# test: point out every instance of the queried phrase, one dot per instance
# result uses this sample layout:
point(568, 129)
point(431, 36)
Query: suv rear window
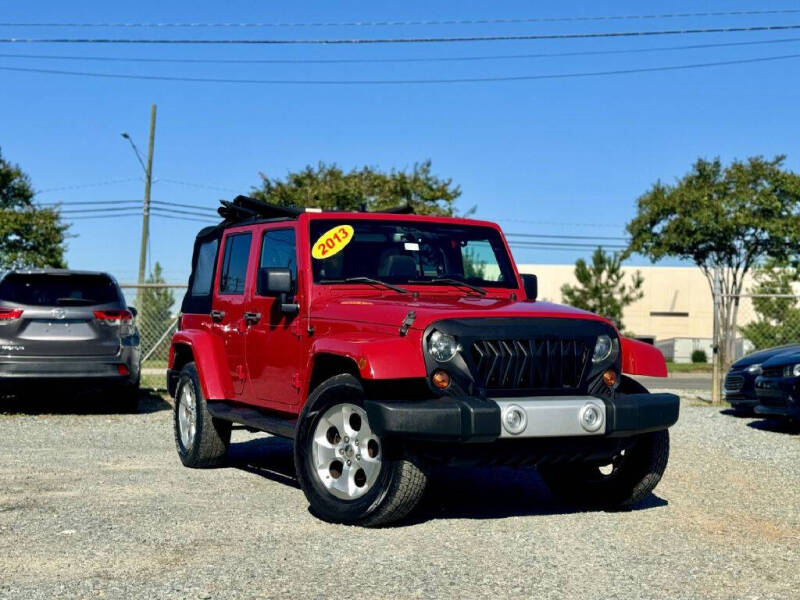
point(46, 289)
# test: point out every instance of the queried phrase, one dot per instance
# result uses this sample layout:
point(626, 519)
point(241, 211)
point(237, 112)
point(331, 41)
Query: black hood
point(762, 356)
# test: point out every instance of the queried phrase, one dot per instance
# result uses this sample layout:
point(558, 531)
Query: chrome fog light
point(591, 417)
point(515, 420)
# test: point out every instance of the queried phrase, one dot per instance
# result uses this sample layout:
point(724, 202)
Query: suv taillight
point(8, 314)
point(114, 317)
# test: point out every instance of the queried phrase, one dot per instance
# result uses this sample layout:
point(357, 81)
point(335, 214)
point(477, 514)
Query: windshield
point(408, 252)
point(46, 289)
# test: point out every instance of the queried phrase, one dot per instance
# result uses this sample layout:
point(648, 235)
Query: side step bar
point(251, 417)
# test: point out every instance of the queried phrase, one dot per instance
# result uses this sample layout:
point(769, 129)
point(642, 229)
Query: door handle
point(217, 315)
point(252, 317)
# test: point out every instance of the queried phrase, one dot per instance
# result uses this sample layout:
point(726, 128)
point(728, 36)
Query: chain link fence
point(768, 320)
point(158, 308)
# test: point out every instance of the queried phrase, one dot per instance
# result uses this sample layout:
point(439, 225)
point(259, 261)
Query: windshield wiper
point(453, 282)
point(371, 281)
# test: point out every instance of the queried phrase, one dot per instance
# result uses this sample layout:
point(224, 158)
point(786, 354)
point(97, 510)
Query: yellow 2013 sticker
point(332, 241)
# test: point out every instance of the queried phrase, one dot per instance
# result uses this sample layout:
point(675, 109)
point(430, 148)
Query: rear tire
point(127, 399)
point(628, 480)
point(201, 440)
point(346, 473)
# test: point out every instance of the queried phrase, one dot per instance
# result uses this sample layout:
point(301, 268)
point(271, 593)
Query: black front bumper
point(777, 397)
point(472, 419)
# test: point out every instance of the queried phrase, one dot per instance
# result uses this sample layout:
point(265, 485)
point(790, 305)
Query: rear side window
point(234, 263)
point(44, 289)
point(204, 268)
point(278, 249)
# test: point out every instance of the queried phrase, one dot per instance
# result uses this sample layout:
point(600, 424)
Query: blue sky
point(552, 156)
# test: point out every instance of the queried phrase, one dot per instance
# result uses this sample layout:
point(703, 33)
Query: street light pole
point(148, 180)
point(146, 208)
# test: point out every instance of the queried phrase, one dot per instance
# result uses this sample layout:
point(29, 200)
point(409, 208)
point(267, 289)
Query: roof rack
point(244, 208)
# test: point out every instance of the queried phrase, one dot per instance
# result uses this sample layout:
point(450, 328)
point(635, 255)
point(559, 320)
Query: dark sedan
point(778, 387)
point(740, 390)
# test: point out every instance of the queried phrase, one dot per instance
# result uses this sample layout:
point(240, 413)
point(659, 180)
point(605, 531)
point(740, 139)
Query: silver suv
point(68, 327)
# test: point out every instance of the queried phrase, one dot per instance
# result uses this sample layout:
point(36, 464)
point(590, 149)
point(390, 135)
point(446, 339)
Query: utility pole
point(148, 174)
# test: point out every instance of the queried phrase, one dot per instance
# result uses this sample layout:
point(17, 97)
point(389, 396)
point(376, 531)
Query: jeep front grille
point(553, 364)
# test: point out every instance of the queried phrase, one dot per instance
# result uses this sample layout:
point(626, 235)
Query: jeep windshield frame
point(412, 252)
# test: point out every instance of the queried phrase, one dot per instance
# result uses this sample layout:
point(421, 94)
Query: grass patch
point(154, 364)
point(154, 382)
point(688, 367)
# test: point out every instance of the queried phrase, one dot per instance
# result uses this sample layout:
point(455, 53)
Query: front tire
point(626, 481)
point(343, 467)
point(202, 441)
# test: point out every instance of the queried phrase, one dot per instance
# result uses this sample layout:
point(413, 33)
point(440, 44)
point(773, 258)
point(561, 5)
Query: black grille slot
point(555, 363)
point(734, 383)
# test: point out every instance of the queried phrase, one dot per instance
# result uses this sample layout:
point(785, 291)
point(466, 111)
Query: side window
point(278, 249)
point(234, 263)
point(204, 268)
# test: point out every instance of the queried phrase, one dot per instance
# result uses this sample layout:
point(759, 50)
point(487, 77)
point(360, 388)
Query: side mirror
point(277, 281)
point(133, 310)
point(273, 281)
point(531, 285)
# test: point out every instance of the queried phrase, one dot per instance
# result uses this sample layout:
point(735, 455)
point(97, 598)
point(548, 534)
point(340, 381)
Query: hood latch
point(407, 322)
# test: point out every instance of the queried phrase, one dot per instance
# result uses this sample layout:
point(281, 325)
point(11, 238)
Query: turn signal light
point(7, 314)
point(441, 379)
point(610, 378)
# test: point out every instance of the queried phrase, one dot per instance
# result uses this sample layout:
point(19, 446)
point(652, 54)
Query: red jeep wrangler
point(385, 343)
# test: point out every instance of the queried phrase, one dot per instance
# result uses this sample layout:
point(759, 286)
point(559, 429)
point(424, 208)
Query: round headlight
point(602, 349)
point(796, 370)
point(754, 369)
point(442, 347)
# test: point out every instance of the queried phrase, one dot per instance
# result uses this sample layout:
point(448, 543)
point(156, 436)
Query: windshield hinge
point(407, 322)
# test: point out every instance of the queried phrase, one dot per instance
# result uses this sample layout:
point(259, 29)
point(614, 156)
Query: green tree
point(329, 187)
point(726, 220)
point(30, 236)
point(155, 315)
point(601, 288)
point(777, 311)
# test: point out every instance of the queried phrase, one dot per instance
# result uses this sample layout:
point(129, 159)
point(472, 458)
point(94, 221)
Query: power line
point(199, 185)
point(563, 249)
point(183, 212)
point(89, 202)
point(565, 245)
point(427, 59)
point(105, 216)
point(401, 23)
point(558, 223)
point(570, 237)
point(572, 75)
point(93, 210)
point(414, 40)
point(207, 221)
point(197, 206)
point(86, 185)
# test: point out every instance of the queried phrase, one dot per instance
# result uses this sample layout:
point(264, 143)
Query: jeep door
point(228, 306)
point(273, 339)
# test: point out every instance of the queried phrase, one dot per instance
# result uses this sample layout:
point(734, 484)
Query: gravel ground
point(96, 505)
